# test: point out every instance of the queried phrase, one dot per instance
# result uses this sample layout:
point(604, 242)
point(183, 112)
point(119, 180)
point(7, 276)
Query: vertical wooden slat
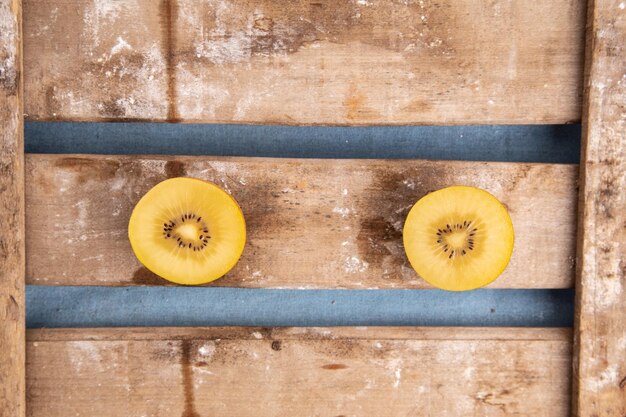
point(12, 329)
point(600, 338)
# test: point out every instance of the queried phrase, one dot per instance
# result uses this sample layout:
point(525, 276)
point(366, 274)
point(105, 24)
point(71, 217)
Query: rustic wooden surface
point(356, 62)
point(600, 362)
point(12, 320)
point(299, 371)
point(311, 223)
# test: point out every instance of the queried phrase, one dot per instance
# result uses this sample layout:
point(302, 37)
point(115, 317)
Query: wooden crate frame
point(407, 370)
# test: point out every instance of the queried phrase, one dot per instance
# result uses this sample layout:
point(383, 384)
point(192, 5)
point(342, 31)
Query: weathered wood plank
point(300, 333)
point(600, 320)
point(300, 62)
point(276, 372)
point(311, 223)
point(12, 261)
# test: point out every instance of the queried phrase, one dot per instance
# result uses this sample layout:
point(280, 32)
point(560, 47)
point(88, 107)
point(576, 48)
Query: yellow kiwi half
point(458, 238)
point(187, 231)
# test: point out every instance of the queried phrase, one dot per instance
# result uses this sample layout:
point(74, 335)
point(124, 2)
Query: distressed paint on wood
point(354, 62)
point(299, 371)
point(600, 362)
point(12, 320)
point(311, 223)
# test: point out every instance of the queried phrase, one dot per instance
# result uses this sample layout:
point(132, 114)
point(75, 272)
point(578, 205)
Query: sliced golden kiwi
point(458, 238)
point(187, 231)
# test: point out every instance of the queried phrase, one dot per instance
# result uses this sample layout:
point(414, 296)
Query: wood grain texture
point(12, 260)
point(600, 319)
point(355, 62)
point(311, 223)
point(299, 371)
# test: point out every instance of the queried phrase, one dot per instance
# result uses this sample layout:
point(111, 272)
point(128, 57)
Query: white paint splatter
point(599, 85)
point(343, 211)
point(84, 353)
point(101, 15)
point(203, 371)
point(207, 350)
point(257, 335)
point(402, 209)
point(8, 47)
point(107, 8)
point(120, 46)
point(409, 183)
point(93, 258)
point(395, 365)
point(622, 5)
point(352, 265)
point(226, 49)
point(198, 97)
point(398, 375)
point(81, 218)
point(248, 101)
point(621, 343)
point(118, 183)
point(608, 377)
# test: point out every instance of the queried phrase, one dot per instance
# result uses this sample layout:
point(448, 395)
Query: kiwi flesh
point(187, 230)
point(458, 238)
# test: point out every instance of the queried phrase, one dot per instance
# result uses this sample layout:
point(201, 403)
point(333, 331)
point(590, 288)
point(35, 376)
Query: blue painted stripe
point(514, 143)
point(183, 306)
